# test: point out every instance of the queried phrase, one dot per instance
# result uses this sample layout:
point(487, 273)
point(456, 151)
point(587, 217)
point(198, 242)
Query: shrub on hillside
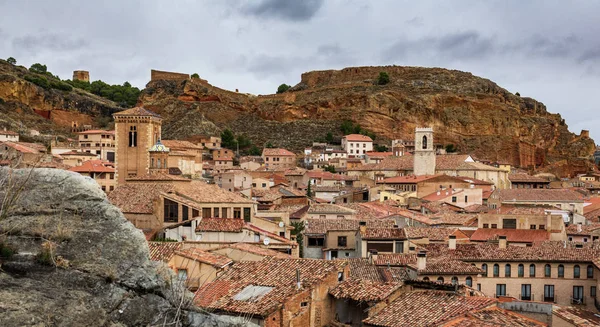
point(282, 88)
point(383, 79)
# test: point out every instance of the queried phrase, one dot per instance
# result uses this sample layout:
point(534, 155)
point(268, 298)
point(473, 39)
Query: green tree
point(329, 137)
point(254, 151)
point(126, 84)
point(298, 231)
point(269, 145)
point(195, 75)
point(228, 139)
point(381, 148)
point(451, 148)
point(243, 141)
point(11, 60)
point(282, 88)
point(518, 94)
point(329, 168)
point(347, 127)
point(38, 68)
point(383, 79)
point(308, 189)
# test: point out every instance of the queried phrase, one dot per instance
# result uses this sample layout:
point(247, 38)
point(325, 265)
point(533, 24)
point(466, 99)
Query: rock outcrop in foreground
point(78, 261)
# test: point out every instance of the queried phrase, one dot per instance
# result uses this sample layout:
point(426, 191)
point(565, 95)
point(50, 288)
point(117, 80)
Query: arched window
point(521, 270)
point(590, 271)
point(576, 271)
point(496, 270)
point(426, 279)
point(469, 281)
point(440, 279)
point(158, 163)
point(532, 270)
point(454, 280)
point(547, 271)
point(165, 164)
point(152, 162)
point(484, 268)
point(561, 271)
point(424, 142)
point(507, 270)
point(132, 136)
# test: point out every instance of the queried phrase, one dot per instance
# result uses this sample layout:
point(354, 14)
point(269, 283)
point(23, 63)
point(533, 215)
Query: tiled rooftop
point(322, 226)
point(180, 145)
point(427, 308)
point(433, 234)
point(94, 166)
point(276, 152)
point(229, 225)
point(202, 192)
point(137, 111)
point(544, 195)
point(325, 208)
point(577, 317)
point(526, 178)
point(255, 249)
point(364, 290)
point(512, 235)
point(209, 258)
point(358, 138)
point(138, 197)
point(383, 234)
point(585, 229)
point(225, 293)
point(163, 251)
point(493, 317)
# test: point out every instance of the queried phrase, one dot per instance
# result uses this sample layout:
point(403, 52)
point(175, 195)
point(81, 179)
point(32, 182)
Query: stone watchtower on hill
point(81, 75)
point(424, 156)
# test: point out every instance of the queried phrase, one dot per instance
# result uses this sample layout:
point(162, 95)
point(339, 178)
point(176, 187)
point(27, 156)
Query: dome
point(158, 147)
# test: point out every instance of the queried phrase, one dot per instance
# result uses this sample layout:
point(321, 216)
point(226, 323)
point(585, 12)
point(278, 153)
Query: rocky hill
point(25, 105)
point(472, 113)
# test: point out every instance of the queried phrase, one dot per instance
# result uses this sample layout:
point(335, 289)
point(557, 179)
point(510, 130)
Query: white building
point(357, 144)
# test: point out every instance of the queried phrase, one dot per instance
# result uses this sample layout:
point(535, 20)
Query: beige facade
point(99, 142)
point(234, 180)
point(194, 272)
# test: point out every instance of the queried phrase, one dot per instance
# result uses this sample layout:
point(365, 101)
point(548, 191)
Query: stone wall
point(163, 75)
point(81, 75)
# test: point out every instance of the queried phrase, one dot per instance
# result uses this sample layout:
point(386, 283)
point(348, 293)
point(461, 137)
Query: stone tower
point(424, 156)
point(136, 131)
point(81, 75)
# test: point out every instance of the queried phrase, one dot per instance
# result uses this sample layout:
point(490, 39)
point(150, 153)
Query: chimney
point(452, 242)
point(421, 260)
point(578, 227)
point(362, 225)
point(298, 284)
point(502, 242)
point(374, 255)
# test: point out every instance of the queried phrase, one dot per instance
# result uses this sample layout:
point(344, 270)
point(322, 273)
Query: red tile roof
point(163, 251)
point(261, 287)
point(364, 290)
point(426, 308)
point(512, 235)
point(493, 317)
point(577, 317)
point(409, 179)
point(586, 230)
point(137, 111)
point(97, 131)
point(277, 152)
point(5, 132)
point(255, 249)
point(229, 225)
point(432, 233)
point(322, 226)
point(209, 258)
point(393, 233)
point(358, 138)
point(543, 195)
point(19, 146)
point(138, 198)
point(94, 166)
point(326, 208)
point(180, 145)
point(525, 178)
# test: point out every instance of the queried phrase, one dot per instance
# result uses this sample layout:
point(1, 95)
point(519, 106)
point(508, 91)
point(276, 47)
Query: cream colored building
point(98, 142)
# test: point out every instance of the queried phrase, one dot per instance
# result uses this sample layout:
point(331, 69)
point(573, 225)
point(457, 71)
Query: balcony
point(577, 301)
point(551, 299)
point(499, 295)
point(527, 297)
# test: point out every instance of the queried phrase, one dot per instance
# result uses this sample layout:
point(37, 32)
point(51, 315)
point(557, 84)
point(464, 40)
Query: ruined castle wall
point(162, 75)
point(81, 75)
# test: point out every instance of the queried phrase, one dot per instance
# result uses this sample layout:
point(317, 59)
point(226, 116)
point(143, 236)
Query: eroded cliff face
point(473, 113)
point(79, 262)
point(22, 102)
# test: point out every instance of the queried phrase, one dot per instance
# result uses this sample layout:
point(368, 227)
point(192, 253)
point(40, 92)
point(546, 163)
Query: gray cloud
point(283, 9)
point(48, 41)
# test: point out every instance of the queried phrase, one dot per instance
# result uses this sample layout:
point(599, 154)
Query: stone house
point(23, 154)
point(329, 211)
point(357, 144)
point(196, 267)
point(527, 181)
point(103, 172)
point(77, 158)
point(563, 199)
point(294, 292)
point(278, 158)
point(99, 142)
point(234, 180)
point(248, 252)
point(6, 135)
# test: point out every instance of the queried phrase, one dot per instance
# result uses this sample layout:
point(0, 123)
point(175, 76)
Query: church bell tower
point(424, 156)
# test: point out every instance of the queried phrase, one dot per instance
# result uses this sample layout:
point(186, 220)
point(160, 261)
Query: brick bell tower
point(424, 156)
point(136, 131)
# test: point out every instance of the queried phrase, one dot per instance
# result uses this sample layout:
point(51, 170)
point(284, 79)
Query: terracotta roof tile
point(277, 152)
point(137, 111)
point(364, 290)
point(362, 269)
point(531, 194)
point(163, 251)
point(433, 234)
point(202, 192)
point(494, 317)
point(180, 145)
point(255, 249)
point(322, 226)
point(94, 166)
point(512, 235)
point(426, 308)
point(358, 138)
point(576, 316)
point(97, 131)
point(393, 233)
point(229, 225)
point(138, 197)
point(209, 258)
point(326, 208)
point(526, 178)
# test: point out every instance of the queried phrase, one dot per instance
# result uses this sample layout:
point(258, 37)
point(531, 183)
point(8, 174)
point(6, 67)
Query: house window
point(561, 271)
point(500, 290)
point(170, 211)
point(112, 176)
point(532, 226)
point(593, 291)
point(453, 199)
point(253, 184)
point(494, 226)
point(576, 271)
point(399, 246)
point(479, 287)
point(224, 212)
point(542, 226)
point(195, 213)
point(322, 216)
point(509, 223)
point(206, 213)
point(454, 280)
point(486, 225)
point(216, 212)
point(466, 199)
point(342, 241)
point(440, 280)
point(578, 294)
point(548, 293)
point(426, 279)
point(531, 270)
point(380, 247)
point(132, 136)
point(590, 271)
point(316, 241)
point(182, 274)
point(264, 184)
point(104, 188)
point(424, 142)
point(526, 292)
point(469, 281)
point(507, 270)
point(521, 270)
point(484, 268)
point(340, 276)
point(547, 271)
point(496, 270)
point(237, 213)
point(185, 211)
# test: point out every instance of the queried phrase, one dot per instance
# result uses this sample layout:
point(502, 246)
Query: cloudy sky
point(548, 50)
